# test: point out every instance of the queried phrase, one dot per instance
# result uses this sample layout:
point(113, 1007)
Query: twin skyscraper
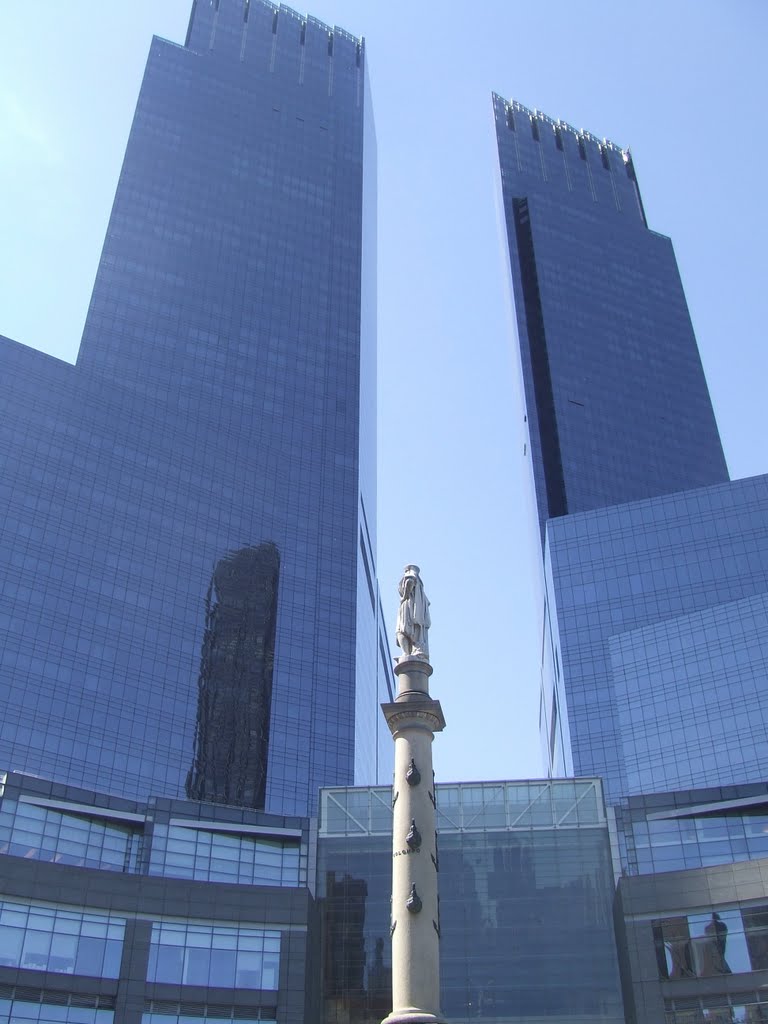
point(655, 566)
point(189, 591)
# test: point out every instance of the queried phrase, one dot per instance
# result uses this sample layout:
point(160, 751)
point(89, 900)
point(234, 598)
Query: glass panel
point(90, 956)
point(335, 817)
point(11, 941)
point(448, 807)
point(219, 956)
point(249, 970)
point(588, 809)
point(270, 971)
point(226, 858)
point(755, 920)
point(675, 943)
point(34, 955)
point(529, 805)
point(719, 945)
point(197, 965)
point(381, 812)
point(223, 968)
point(169, 966)
point(113, 952)
point(63, 954)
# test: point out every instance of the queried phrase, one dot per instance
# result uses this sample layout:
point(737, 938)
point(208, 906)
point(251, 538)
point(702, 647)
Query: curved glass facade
point(170, 841)
point(60, 941)
point(237, 859)
point(693, 829)
point(41, 833)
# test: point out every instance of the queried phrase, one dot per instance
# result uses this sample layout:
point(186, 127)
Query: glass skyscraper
point(188, 594)
point(654, 574)
point(617, 404)
point(655, 566)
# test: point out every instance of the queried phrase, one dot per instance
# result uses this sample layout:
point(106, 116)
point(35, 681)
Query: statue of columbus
point(413, 619)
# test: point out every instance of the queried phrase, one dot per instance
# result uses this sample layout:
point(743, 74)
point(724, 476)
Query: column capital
point(414, 713)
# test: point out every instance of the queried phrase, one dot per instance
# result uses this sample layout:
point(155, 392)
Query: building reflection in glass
point(526, 891)
point(235, 682)
point(723, 941)
point(357, 971)
point(344, 941)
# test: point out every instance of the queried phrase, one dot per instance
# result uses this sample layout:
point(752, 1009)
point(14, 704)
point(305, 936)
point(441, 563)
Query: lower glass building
point(692, 905)
point(694, 944)
point(113, 912)
point(526, 891)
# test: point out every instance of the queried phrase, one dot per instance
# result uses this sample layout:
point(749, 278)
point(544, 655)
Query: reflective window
point(165, 1018)
point(715, 943)
point(214, 955)
point(15, 1011)
point(679, 843)
point(745, 1008)
point(60, 941)
point(39, 833)
point(179, 852)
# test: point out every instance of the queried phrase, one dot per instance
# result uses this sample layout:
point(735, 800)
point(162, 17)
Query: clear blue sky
point(682, 82)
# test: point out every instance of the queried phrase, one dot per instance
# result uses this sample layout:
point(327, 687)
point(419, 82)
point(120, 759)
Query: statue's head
point(411, 570)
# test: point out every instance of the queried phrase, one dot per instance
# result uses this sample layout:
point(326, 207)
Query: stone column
point(413, 719)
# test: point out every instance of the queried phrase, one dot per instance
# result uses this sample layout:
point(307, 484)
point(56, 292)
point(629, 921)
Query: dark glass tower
point(617, 404)
point(655, 565)
point(187, 539)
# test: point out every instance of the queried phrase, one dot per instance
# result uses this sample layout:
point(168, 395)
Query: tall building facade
point(655, 565)
point(187, 545)
point(616, 401)
point(654, 575)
